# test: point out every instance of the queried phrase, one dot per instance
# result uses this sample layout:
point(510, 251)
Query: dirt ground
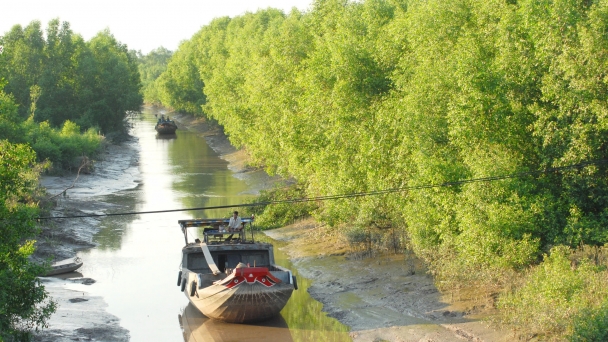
point(384, 298)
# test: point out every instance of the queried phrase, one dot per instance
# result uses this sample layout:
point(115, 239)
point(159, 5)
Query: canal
point(136, 260)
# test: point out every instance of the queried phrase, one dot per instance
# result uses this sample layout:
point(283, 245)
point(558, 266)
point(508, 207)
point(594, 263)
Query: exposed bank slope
point(378, 298)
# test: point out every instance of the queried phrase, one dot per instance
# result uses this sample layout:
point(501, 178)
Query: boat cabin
point(226, 250)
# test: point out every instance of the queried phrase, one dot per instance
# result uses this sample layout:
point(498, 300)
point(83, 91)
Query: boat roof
point(202, 222)
point(214, 223)
point(248, 246)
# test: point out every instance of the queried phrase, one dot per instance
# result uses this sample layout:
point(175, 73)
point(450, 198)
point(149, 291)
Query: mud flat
point(381, 298)
point(81, 317)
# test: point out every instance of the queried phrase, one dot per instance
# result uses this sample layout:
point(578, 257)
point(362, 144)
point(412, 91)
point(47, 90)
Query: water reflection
point(202, 178)
point(112, 228)
point(303, 314)
point(166, 136)
point(197, 327)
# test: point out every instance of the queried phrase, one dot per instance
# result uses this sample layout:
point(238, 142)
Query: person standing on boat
point(235, 223)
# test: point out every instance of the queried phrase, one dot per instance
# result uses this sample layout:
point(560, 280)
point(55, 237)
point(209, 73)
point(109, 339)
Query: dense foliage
point(92, 84)
point(151, 66)
point(62, 146)
point(284, 212)
point(377, 94)
point(559, 291)
point(23, 301)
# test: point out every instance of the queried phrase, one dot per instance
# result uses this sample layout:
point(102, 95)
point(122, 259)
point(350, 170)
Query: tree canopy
point(151, 66)
point(24, 304)
point(92, 84)
point(57, 94)
point(355, 96)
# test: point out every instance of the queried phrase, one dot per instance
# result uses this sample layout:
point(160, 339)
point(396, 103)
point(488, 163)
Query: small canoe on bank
point(64, 266)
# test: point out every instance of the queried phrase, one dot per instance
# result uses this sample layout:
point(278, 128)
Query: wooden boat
point(229, 278)
point(64, 266)
point(165, 126)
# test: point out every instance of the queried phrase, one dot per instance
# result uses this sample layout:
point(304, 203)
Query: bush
point(557, 296)
point(62, 146)
point(24, 304)
point(591, 325)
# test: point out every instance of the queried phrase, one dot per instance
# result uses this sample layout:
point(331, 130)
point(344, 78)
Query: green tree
point(24, 304)
point(365, 95)
point(23, 61)
point(113, 83)
point(91, 83)
point(151, 66)
point(180, 86)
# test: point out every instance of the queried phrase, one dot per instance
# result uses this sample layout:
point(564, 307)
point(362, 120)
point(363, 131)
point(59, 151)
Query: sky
point(141, 24)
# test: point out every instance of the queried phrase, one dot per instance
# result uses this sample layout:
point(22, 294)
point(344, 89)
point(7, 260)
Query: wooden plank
point(209, 259)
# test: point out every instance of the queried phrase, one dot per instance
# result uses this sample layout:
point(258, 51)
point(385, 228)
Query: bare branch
point(85, 162)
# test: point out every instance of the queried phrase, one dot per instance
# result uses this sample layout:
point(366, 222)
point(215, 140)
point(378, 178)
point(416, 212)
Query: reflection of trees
point(113, 228)
point(202, 175)
point(303, 314)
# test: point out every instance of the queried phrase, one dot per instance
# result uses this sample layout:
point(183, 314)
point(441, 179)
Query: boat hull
point(165, 128)
point(196, 328)
point(64, 266)
point(242, 303)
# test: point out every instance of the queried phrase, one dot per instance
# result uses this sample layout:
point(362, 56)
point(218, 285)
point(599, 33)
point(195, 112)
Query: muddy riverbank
point(81, 316)
point(385, 298)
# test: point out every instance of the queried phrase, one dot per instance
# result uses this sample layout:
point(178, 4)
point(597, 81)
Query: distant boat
point(165, 126)
point(64, 266)
point(232, 279)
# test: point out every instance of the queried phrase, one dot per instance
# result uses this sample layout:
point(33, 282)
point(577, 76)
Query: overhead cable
point(350, 195)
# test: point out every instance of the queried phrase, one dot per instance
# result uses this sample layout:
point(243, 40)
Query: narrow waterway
point(136, 262)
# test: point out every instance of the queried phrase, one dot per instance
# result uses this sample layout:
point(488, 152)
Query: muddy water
point(136, 262)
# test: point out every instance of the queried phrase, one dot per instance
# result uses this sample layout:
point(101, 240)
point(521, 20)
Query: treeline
point(150, 67)
point(379, 94)
point(91, 83)
point(24, 303)
point(59, 86)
